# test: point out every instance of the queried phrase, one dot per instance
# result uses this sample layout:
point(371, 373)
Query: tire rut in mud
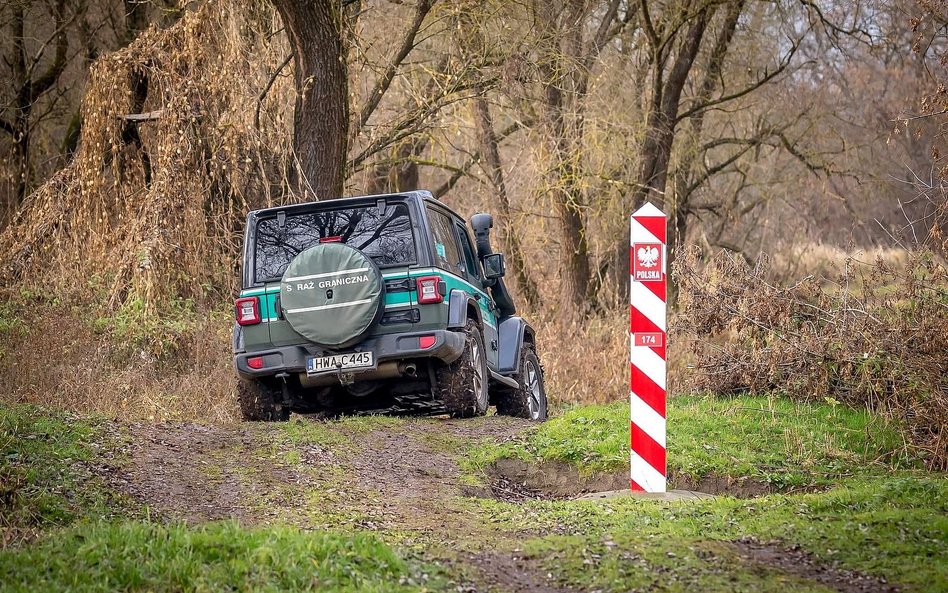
point(197, 473)
point(175, 470)
point(414, 476)
point(796, 562)
point(512, 573)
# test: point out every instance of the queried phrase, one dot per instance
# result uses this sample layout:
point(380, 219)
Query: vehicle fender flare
point(512, 332)
point(459, 303)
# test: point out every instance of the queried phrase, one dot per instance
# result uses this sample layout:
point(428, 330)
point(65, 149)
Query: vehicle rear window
point(384, 235)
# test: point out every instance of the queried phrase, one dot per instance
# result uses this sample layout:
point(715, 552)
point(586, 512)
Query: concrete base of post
point(670, 495)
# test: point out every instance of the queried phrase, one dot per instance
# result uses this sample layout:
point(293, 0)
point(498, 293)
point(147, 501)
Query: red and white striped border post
point(647, 338)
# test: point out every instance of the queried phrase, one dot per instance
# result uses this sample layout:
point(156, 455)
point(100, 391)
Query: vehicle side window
point(470, 262)
point(446, 254)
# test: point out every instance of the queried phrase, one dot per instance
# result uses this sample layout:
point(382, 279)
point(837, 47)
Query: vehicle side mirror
point(494, 266)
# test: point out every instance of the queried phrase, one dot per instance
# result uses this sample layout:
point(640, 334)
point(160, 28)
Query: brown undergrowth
point(875, 337)
point(54, 354)
point(117, 272)
point(170, 159)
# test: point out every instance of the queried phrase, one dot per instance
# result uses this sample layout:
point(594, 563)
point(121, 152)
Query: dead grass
point(54, 357)
point(584, 363)
point(829, 262)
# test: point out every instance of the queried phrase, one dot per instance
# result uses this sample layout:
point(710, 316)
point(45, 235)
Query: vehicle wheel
point(529, 400)
point(463, 383)
point(260, 402)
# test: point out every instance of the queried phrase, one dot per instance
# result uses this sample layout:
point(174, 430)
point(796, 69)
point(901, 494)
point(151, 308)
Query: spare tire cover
point(332, 294)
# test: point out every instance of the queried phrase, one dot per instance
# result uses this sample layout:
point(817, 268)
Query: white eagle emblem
point(648, 256)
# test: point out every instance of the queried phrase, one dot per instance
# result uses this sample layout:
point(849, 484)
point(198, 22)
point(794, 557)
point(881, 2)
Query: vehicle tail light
point(429, 291)
point(426, 342)
point(248, 311)
point(255, 362)
point(335, 239)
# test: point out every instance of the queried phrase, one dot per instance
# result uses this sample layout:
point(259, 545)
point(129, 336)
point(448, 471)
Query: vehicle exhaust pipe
point(408, 368)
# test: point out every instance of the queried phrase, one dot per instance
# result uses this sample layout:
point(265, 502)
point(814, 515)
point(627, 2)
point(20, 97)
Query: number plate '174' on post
point(651, 339)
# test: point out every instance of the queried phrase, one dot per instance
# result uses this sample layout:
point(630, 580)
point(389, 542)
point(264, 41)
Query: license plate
point(351, 361)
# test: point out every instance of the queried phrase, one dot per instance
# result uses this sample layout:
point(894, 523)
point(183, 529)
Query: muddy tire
point(463, 383)
point(260, 403)
point(529, 400)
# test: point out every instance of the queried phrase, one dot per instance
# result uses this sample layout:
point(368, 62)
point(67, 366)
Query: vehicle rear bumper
point(447, 348)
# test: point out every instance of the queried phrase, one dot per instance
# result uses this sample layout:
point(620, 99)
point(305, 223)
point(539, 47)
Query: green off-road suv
point(379, 303)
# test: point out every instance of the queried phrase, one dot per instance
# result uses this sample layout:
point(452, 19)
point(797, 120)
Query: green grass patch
point(303, 431)
point(336, 433)
point(213, 557)
point(45, 476)
point(136, 326)
point(769, 439)
point(895, 527)
point(9, 319)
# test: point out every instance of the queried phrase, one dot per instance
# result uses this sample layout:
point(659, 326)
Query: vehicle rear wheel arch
point(514, 333)
point(474, 313)
point(461, 307)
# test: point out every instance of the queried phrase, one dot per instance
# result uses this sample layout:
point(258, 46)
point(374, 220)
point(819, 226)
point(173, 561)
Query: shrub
point(876, 337)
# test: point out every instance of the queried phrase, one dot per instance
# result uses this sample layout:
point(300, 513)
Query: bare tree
point(565, 57)
point(33, 73)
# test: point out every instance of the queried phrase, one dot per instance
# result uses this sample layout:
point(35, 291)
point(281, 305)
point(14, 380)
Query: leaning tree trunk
point(690, 162)
point(321, 118)
point(564, 96)
point(487, 140)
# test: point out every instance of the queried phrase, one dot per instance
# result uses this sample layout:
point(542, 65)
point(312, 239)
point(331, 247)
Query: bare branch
point(463, 170)
point(854, 32)
point(712, 171)
point(266, 89)
point(768, 76)
point(412, 122)
point(385, 80)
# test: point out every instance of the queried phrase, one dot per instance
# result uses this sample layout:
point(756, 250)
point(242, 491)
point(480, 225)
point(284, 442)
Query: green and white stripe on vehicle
point(393, 300)
point(269, 294)
point(453, 282)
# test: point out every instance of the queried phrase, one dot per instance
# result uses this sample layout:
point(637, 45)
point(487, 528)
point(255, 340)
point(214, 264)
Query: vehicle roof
point(289, 209)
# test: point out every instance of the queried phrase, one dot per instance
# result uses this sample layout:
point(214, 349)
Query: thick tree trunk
point(660, 132)
point(321, 118)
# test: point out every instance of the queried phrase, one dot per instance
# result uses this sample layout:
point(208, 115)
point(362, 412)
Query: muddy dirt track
point(401, 479)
